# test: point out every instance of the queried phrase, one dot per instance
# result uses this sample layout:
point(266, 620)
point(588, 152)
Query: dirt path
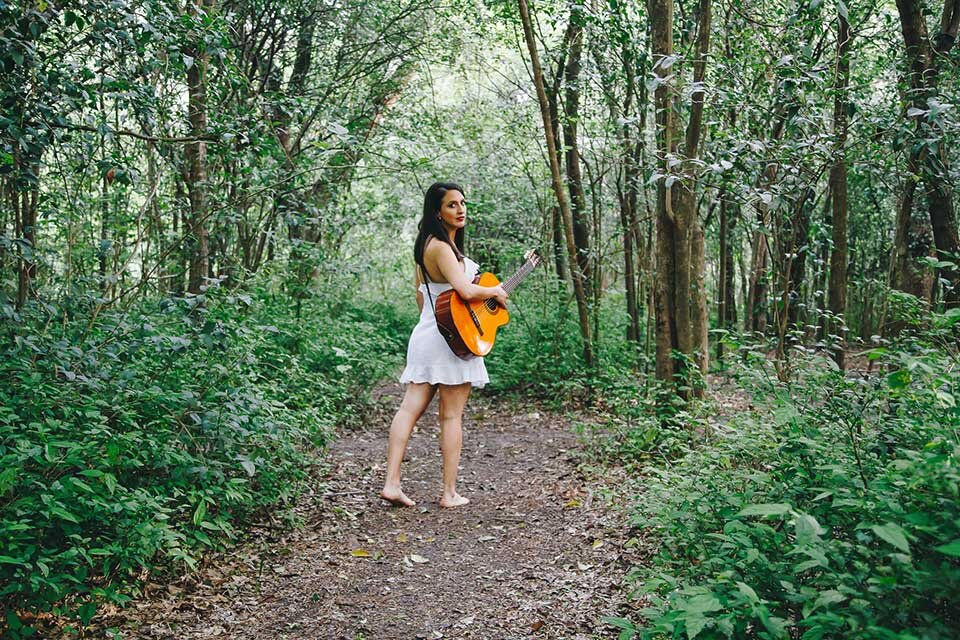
point(539, 552)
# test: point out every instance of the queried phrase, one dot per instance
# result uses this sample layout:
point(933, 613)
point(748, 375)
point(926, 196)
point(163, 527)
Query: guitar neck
point(511, 283)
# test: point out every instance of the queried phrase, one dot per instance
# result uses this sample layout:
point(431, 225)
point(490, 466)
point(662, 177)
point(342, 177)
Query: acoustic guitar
point(470, 328)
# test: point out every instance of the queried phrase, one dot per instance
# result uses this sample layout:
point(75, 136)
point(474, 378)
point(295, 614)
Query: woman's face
point(453, 210)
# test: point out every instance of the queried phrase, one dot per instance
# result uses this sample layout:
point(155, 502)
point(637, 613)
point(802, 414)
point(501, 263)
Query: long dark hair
point(430, 224)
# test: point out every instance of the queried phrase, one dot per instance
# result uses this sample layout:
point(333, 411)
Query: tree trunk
point(558, 189)
point(794, 260)
point(756, 312)
point(26, 195)
point(629, 277)
point(571, 117)
point(923, 58)
point(103, 249)
point(195, 157)
point(560, 266)
point(838, 188)
point(911, 242)
point(680, 295)
point(700, 346)
point(726, 305)
point(661, 26)
point(627, 170)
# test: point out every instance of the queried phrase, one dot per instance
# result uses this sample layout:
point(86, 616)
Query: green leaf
point(899, 379)
point(808, 529)
point(893, 534)
point(703, 603)
point(765, 509)
point(842, 10)
point(9, 560)
point(8, 478)
point(64, 514)
point(951, 548)
point(200, 512)
point(828, 597)
point(694, 624)
point(748, 592)
point(110, 481)
point(619, 623)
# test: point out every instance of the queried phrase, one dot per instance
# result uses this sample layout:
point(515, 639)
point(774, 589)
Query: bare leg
point(453, 398)
point(415, 401)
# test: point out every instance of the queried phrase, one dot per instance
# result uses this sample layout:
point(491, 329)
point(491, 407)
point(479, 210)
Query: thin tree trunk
point(697, 293)
point(725, 277)
point(838, 189)
point(911, 242)
point(571, 118)
point(195, 157)
point(103, 249)
point(559, 264)
point(558, 188)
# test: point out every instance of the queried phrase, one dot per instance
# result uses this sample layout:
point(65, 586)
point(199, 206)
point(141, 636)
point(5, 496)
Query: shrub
point(139, 440)
point(830, 511)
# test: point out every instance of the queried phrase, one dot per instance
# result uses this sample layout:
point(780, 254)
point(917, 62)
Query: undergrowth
point(131, 444)
point(830, 509)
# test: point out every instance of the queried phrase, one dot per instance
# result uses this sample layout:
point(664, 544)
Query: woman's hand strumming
point(500, 294)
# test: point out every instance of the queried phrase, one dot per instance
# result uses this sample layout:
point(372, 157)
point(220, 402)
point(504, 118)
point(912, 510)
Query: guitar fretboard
point(512, 282)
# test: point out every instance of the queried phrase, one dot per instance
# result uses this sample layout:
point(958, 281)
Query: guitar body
point(472, 326)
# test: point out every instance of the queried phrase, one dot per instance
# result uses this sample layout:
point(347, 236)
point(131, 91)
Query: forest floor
point(540, 551)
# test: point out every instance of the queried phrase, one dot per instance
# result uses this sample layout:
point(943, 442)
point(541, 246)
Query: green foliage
point(540, 351)
point(832, 510)
point(137, 441)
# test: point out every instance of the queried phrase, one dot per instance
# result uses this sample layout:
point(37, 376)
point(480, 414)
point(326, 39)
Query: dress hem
point(475, 383)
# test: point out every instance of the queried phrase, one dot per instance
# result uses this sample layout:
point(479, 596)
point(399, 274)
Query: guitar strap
point(447, 335)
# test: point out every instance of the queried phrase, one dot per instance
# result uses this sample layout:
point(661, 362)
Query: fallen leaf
point(467, 620)
point(486, 538)
point(402, 537)
point(418, 559)
point(572, 504)
point(536, 626)
point(597, 544)
point(360, 553)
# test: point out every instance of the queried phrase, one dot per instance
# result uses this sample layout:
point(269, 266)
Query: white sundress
point(429, 358)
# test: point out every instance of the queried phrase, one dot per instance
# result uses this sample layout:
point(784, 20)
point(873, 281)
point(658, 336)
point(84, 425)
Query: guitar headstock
point(532, 256)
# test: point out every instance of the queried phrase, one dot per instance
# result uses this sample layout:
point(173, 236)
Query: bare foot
point(396, 497)
point(456, 500)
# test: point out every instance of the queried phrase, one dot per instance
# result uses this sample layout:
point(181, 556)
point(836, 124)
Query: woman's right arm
point(441, 255)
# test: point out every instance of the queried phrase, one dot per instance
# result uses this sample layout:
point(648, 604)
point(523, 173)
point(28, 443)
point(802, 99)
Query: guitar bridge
point(476, 320)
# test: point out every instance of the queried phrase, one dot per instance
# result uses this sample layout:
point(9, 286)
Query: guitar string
point(511, 282)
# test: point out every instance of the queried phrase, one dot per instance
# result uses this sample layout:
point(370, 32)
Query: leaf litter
point(532, 555)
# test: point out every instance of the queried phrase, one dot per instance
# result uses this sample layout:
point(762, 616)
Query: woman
point(431, 365)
